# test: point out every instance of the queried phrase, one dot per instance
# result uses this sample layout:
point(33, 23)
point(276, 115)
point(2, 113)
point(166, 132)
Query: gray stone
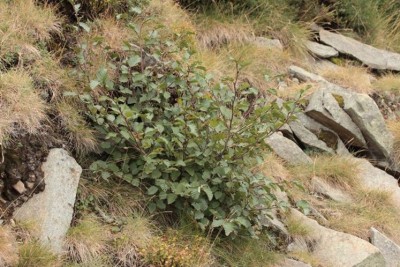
point(304, 75)
point(330, 138)
point(334, 248)
point(52, 209)
point(390, 250)
point(326, 109)
point(375, 179)
point(370, 56)
point(269, 43)
point(287, 149)
point(365, 113)
point(327, 190)
point(292, 263)
point(321, 50)
point(309, 139)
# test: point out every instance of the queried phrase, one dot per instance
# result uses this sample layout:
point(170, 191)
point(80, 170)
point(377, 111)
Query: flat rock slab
point(321, 51)
point(334, 248)
point(287, 149)
point(390, 250)
point(369, 55)
point(52, 209)
point(327, 190)
point(375, 179)
point(326, 109)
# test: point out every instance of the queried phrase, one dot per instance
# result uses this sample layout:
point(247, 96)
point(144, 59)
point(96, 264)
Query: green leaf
point(152, 190)
point(217, 223)
point(125, 134)
point(134, 60)
point(228, 228)
point(208, 191)
point(171, 198)
point(226, 112)
point(94, 84)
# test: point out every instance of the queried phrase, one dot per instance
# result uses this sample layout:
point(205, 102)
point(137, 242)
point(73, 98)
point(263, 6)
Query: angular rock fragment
point(304, 75)
point(269, 43)
point(287, 149)
point(321, 50)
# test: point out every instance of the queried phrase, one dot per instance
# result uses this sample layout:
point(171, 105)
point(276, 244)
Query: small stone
point(30, 185)
point(321, 50)
point(329, 191)
point(19, 187)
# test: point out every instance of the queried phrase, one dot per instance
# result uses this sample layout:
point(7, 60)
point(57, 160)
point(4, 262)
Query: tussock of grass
point(22, 24)
point(336, 170)
point(371, 208)
point(274, 167)
point(8, 247)
point(34, 254)
point(389, 83)
point(352, 77)
point(79, 134)
point(136, 235)
point(297, 229)
point(87, 240)
point(21, 104)
point(212, 33)
point(246, 252)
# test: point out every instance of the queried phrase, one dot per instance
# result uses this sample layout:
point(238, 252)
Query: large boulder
point(370, 56)
point(320, 50)
point(326, 108)
point(333, 248)
point(287, 149)
point(390, 250)
point(52, 209)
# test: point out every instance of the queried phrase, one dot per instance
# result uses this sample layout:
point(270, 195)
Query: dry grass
point(34, 254)
point(352, 77)
point(8, 247)
point(79, 134)
point(371, 208)
point(212, 33)
point(136, 234)
point(22, 24)
point(296, 228)
point(87, 240)
point(262, 65)
point(336, 170)
point(389, 83)
point(274, 167)
point(394, 127)
point(21, 106)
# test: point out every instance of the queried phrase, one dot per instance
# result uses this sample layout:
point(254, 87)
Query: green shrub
point(191, 146)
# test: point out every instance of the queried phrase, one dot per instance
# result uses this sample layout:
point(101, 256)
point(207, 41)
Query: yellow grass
point(389, 83)
point(87, 240)
point(22, 24)
point(336, 170)
point(8, 247)
point(394, 127)
point(34, 254)
point(352, 77)
point(21, 105)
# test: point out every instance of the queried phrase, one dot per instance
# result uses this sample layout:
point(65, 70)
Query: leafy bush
point(191, 146)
